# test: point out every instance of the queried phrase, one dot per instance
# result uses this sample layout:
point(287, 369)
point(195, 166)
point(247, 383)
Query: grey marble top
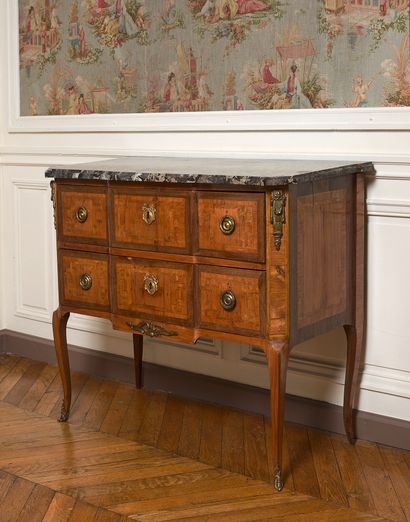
point(224, 171)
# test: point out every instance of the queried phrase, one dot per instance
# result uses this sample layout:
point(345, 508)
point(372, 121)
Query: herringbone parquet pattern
point(129, 453)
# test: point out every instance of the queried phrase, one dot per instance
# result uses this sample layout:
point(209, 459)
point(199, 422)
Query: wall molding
point(316, 414)
point(26, 155)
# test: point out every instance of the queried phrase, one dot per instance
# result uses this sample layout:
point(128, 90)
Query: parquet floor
point(146, 456)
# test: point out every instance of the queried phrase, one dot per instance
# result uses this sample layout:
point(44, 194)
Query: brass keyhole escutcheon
point(86, 281)
point(148, 213)
point(81, 214)
point(227, 225)
point(151, 284)
point(228, 300)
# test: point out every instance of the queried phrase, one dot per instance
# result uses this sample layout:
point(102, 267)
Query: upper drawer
point(151, 220)
point(82, 214)
point(231, 225)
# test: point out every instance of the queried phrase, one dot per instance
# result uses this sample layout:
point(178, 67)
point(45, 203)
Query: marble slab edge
point(218, 179)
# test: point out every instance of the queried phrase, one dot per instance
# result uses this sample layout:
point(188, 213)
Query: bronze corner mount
point(277, 215)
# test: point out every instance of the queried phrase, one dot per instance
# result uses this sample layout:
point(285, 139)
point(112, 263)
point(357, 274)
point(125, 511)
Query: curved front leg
point(277, 355)
point(60, 343)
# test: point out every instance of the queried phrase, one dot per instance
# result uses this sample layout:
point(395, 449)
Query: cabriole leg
point(138, 341)
point(355, 331)
point(60, 343)
point(277, 355)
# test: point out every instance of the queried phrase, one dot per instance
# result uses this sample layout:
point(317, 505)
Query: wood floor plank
point(183, 499)
point(152, 420)
point(210, 450)
point(135, 413)
point(28, 378)
point(237, 509)
point(399, 473)
point(84, 400)
point(13, 376)
point(7, 363)
point(62, 474)
point(301, 460)
point(327, 515)
point(103, 515)
point(83, 512)
point(378, 480)
point(327, 469)
point(52, 396)
point(110, 481)
point(171, 426)
point(100, 405)
point(38, 388)
point(15, 499)
point(6, 482)
point(233, 452)
point(256, 460)
point(118, 408)
point(190, 439)
point(60, 508)
point(37, 504)
point(358, 494)
point(133, 491)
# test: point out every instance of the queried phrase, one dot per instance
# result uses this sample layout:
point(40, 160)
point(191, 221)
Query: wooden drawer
point(231, 225)
point(153, 289)
point(151, 220)
point(243, 290)
point(82, 214)
point(83, 279)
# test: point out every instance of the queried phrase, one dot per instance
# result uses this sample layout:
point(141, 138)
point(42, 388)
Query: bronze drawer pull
point(151, 329)
point(227, 225)
point(148, 213)
point(151, 284)
point(81, 214)
point(86, 281)
point(228, 300)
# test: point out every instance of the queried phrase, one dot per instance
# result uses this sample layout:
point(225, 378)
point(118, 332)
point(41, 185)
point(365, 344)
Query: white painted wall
point(28, 288)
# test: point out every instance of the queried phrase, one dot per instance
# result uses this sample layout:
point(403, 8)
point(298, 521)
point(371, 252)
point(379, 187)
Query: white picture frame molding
point(338, 119)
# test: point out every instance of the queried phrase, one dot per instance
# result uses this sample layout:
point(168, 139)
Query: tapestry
point(142, 56)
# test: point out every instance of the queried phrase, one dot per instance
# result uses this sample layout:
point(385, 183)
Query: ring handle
point(227, 225)
point(81, 214)
point(228, 300)
point(86, 281)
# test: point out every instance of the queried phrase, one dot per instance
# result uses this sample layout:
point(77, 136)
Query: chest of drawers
point(265, 253)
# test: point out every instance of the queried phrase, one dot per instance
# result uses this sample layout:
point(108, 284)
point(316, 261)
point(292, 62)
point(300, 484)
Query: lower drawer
point(83, 280)
point(231, 300)
point(157, 290)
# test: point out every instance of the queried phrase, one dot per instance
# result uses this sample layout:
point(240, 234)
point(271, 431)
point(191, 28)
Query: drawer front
point(231, 225)
point(231, 300)
point(82, 215)
point(84, 280)
point(153, 289)
point(152, 221)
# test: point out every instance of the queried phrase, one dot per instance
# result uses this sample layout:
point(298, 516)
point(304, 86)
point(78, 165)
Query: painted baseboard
point(316, 414)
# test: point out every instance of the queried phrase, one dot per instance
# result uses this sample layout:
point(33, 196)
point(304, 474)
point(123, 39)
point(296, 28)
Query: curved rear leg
point(60, 343)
